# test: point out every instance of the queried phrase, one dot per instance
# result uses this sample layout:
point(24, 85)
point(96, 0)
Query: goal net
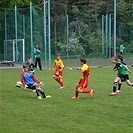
point(14, 50)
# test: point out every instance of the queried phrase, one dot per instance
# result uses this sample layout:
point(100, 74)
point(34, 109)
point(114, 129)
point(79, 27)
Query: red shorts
point(83, 84)
point(58, 73)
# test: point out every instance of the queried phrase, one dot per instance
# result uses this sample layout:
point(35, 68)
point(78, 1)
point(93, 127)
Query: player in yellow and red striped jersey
point(83, 82)
point(58, 64)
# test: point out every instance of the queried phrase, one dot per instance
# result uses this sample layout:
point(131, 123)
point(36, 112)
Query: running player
point(122, 73)
point(83, 82)
point(58, 64)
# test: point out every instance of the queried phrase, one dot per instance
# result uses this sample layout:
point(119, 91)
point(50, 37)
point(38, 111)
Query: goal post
point(14, 50)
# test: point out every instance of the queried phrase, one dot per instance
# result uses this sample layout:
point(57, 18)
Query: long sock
point(43, 94)
point(37, 92)
point(119, 86)
point(114, 87)
point(57, 79)
point(86, 91)
point(76, 93)
point(61, 83)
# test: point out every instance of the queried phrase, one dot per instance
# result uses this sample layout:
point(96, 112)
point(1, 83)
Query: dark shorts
point(31, 86)
point(123, 77)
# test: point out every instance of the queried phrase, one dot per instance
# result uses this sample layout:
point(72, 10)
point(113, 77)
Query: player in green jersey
point(122, 75)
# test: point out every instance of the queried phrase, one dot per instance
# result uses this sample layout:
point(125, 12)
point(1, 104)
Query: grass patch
point(22, 112)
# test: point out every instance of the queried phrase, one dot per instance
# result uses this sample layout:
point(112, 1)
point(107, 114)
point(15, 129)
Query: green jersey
point(121, 69)
point(37, 53)
point(121, 48)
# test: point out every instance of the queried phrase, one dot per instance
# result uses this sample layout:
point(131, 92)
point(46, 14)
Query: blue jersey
point(28, 78)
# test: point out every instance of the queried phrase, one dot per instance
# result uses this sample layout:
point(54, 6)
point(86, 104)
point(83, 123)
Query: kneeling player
point(83, 83)
point(28, 80)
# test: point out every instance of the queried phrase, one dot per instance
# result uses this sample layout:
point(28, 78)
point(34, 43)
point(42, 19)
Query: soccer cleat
point(39, 97)
point(48, 96)
point(62, 87)
point(74, 97)
point(112, 94)
point(91, 93)
point(118, 91)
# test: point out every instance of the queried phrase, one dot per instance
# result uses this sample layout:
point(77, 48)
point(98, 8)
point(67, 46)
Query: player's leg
point(36, 63)
point(34, 87)
point(84, 89)
point(114, 86)
point(39, 63)
point(76, 93)
point(119, 86)
point(129, 83)
point(60, 80)
point(38, 88)
point(56, 77)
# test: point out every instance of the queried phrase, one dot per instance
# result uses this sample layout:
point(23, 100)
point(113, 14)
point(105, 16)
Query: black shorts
point(123, 77)
point(31, 86)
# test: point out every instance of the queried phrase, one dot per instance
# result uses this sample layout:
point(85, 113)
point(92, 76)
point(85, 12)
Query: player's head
point(36, 46)
point(114, 59)
point(58, 56)
point(29, 60)
point(25, 68)
point(120, 57)
point(83, 61)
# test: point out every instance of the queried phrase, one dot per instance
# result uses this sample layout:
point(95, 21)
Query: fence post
point(45, 43)
point(114, 27)
point(31, 35)
point(49, 45)
point(67, 37)
point(109, 35)
point(102, 34)
point(106, 35)
point(5, 42)
point(16, 34)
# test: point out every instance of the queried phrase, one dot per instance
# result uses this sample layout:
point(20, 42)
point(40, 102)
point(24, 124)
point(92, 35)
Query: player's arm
point(54, 64)
point(22, 79)
point(78, 68)
point(62, 66)
point(128, 69)
point(34, 51)
point(35, 79)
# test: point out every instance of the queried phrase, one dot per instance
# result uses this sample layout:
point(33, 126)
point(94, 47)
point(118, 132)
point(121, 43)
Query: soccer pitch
point(22, 112)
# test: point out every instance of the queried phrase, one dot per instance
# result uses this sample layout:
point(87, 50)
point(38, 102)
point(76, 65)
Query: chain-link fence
point(75, 30)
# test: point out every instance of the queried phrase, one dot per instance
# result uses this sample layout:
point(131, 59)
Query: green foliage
point(84, 22)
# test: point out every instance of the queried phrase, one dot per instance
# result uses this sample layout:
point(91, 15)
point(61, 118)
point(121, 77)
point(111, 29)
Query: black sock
point(37, 92)
point(43, 94)
point(132, 85)
point(119, 86)
point(114, 87)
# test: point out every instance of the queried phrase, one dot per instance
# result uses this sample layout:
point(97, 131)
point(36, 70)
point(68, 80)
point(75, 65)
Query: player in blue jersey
point(30, 81)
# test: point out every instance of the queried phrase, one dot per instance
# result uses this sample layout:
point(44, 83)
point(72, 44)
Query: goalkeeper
point(29, 81)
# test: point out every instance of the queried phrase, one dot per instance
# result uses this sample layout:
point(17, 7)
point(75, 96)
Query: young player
point(37, 56)
point(83, 82)
point(30, 65)
point(122, 74)
point(58, 64)
point(28, 80)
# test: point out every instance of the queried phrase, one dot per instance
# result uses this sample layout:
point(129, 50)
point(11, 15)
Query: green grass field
point(22, 112)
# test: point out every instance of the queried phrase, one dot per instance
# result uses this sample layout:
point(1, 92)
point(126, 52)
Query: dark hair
point(120, 57)
point(28, 58)
point(57, 55)
point(25, 66)
point(83, 60)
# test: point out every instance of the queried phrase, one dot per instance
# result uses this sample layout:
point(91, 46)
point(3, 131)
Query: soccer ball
point(70, 68)
point(18, 84)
